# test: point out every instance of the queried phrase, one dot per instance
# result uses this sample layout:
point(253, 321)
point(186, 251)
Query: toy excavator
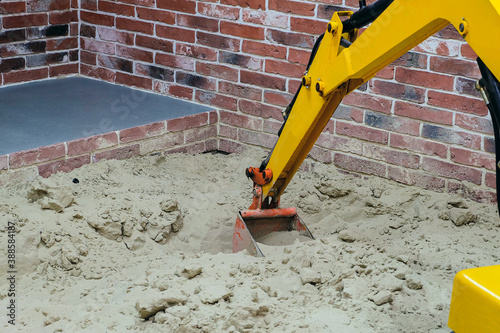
point(340, 62)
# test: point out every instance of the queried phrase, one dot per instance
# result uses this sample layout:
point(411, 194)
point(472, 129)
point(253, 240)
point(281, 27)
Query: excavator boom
point(340, 62)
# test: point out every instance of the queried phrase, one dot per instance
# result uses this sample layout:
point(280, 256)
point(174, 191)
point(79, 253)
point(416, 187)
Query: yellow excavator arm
point(340, 62)
point(343, 62)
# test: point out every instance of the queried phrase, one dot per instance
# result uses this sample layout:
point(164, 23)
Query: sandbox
point(144, 244)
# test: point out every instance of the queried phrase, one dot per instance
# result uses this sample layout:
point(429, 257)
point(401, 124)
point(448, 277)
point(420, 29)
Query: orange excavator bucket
point(254, 224)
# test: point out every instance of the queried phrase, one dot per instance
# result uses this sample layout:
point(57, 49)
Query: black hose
point(365, 15)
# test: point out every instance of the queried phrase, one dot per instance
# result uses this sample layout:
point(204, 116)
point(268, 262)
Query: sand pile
point(145, 245)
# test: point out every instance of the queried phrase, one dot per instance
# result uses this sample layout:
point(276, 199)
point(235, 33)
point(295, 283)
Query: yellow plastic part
point(402, 26)
point(475, 301)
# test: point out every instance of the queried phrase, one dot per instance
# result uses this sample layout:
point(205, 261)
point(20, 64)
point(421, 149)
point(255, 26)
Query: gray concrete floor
point(46, 112)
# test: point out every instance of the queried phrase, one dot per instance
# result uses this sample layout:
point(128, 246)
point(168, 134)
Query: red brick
point(449, 48)
point(181, 91)
point(449, 32)
point(89, 5)
point(413, 178)
point(350, 113)
point(473, 193)
point(340, 143)
point(63, 17)
point(256, 138)
point(262, 80)
point(451, 170)
point(62, 44)
point(424, 79)
point(27, 20)
point(284, 68)
point(178, 34)
point(228, 132)
point(472, 158)
point(4, 162)
point(368, 101)
point(198, 52)
point(96, 18)
point(134, 81)
point(277, 98)
point(192, 149)
point(97, 46)
point(458, 103)
point(197, 22)
point(241, 30)
point(215, 10)
point(427, 114)
point(476, 124)
point(163, 142)
point(467, 52)
point(98, 72)
point(134, 53)
point(47, 5)
point(218, 41)
point(171, 60)
point(267, 18)
point(187, 122)
point(113, 35)
point(359, 165)
point(161, 16)
point(490, 180)
point(215, 70)
point(307, 25)
point(154, 43)
point(37, 155)
point(412, 59)
point(121, 153)
point(386, 73)
point(142, 132)
point(197, 81)
point(88, 57)
point(185, 6)
point(292, 7)
point(299, 56)
point(65, 165)
point(361, 132)
point(455, 67)
point(489, 144)
point(397, 90)
point(254, 4)
point(26, 75)
point(145, 3)
point(391, 156)
point(241, 120)
point(418, 145)
point(13, 7)
point(232, 146)
point(216, 100)
point(116, 8)
point(241, 60)
point(66, 69)
point(238, 90)
point(134, 25)
point(290, 38)
point(91, 144)
point(260, 110)
point(200, 133)
point(321, 155)
point(263, 49)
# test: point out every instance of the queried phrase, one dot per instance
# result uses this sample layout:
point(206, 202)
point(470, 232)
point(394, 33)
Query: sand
point(145, 245)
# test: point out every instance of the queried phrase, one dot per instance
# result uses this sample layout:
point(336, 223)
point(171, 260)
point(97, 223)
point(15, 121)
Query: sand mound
point(145, 245)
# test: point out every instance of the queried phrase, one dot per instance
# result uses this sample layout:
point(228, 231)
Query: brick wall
point(39, 39)
point(419, 121)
